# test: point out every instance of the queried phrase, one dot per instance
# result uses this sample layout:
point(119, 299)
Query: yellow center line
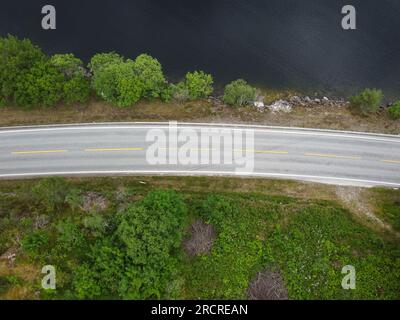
point(113, 149)
point(39, 152)
point(391, 161)
point(322, 155)
point(263, 151)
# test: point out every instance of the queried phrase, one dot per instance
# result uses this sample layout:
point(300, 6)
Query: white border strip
point(321, 179)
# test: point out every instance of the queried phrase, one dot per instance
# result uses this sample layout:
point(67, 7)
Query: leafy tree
point(74, 199)
point(95, 223)
point(199, 84)
point(101, 60)
point(394, 110)
point(76, 87)
point(238, 93)
point(118, 84)
point(367, 101)
point(136, 261)
point(41, 85)
point(16, 58)
point(149, 71)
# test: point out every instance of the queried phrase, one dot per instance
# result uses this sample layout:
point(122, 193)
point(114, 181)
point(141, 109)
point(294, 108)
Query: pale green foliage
point(199, 84)
point(367, 101)
point(118, 84)
point(394, 110)
point(238, 93)
point(101, 60)
point(149, 71)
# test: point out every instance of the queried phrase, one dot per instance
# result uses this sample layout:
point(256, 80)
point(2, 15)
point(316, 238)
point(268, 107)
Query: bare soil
point(315, 116)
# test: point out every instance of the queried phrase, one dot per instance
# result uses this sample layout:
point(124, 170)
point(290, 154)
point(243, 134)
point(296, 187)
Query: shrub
point(394, 110)
point(198, 84)
point(149, 71)
point(180, 92)
point(42, 85)
point(33, 242)
point(367, 101)
point(238, 93)
point(51, 193)
point(16, 58)
point(76, 87)
point(118, 84)
point(69, 235)
point(101, 60)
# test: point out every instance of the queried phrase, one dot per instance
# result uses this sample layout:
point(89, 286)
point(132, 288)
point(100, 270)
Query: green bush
point(51, 193)
point(238, 93)
point(42, 85)
point(199, 84)
point(367, 101)
point(180, 92)
point(33, 242)
point(101, 60)
point(149, 71)
point(16, 58)
point(117, 83)
point(70, 237)
point(394, 111)
point(76, 87)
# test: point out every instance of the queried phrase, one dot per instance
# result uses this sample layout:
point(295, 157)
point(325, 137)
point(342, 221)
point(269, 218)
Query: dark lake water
point(275, 43)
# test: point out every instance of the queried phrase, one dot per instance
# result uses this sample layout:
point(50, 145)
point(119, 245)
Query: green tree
point(118, 84)
point(42, 85)
point(70, 237)
point(101, 60)
point(238, 93)
point(394, 110)
point(149, 71)
point(16, 58)
point(76, 87)
point(199, 84)
point(367, 101)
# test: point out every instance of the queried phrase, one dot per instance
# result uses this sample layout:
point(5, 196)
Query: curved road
point(335, 157)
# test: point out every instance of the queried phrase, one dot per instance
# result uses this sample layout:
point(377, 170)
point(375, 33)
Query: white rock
point(280, 106)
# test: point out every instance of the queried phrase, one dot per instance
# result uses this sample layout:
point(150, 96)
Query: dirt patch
point(312, 116)
point(357, 201)
point(94, 201)
point(201, 238)
point(268, 285)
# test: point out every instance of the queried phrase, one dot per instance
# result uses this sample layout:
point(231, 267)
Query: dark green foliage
point(394, 110)
point(16, 58)
point(238, 93)
point(70, 237)
point(367, 101)
point(51, 193)
point(42, 85)
point(33, 242)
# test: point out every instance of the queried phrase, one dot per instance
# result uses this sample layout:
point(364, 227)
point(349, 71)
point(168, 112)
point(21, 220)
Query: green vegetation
point(367, 101)
point(132, 247)
point(30, 79)
point(238, 93)
point(394, 110)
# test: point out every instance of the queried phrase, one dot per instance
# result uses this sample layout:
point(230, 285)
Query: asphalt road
point(334, 157)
